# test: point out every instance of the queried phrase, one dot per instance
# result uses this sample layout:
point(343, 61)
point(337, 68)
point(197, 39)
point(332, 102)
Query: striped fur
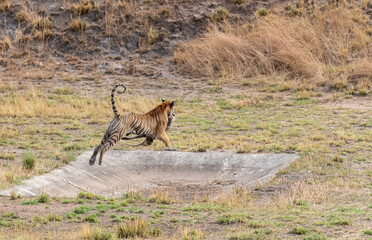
point(151, 125)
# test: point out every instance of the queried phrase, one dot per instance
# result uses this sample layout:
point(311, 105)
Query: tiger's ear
point(162, 100)
point(172, 104)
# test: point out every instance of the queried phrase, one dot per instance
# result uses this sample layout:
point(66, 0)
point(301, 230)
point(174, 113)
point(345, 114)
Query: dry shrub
point(300, 46)
point(152, 36)
point(220, 14)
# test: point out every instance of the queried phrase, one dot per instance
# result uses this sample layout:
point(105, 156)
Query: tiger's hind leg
point(105, 147)
point(114, 138)
point(94, 156)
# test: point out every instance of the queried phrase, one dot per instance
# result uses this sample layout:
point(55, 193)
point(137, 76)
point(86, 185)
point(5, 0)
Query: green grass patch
point(28, 161)
point(91, 218)
point(233, 218)
point(30, 202)
point(81, 209)
point(300, 231)
point(43, 198)
point(205, 207)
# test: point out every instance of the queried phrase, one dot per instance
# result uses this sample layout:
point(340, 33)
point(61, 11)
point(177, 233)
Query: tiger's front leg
point(164, 138)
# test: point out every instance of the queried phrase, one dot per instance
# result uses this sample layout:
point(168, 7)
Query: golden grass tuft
point(92, 233)
point(152, 36)
point(42, 23)
point(22, 16)
point(127, 7)
point(78, 25)
point(314, 193)
point(5, 5)
point(160, 197)
point(5, 43)
point(84, 7)
point(302, 47)
point(238, 196)
point(135, 228)
point(362, 69)
point(192, 234)
point(220, 14)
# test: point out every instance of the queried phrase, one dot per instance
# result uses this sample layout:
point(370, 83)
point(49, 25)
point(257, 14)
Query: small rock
point(134, 56)
point(198, 17)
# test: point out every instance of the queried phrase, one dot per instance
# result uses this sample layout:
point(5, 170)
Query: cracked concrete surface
point(187, 173)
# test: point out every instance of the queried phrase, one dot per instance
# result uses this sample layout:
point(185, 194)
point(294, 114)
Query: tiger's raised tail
point(116, 114)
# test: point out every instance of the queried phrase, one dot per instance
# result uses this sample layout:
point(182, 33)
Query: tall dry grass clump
point(305, 47)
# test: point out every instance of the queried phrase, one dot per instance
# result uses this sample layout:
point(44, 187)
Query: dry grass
point(84, 7)
point(220, 14)
point(78, 25)
point(94, 233)
point(135, 228)
point(5, 5)
point(304, 47)
point(239, 196)
point(109, 17)
point(315, 193)
point(5, 43)
point(160, 197)
point(192, 234)
point(152, 36)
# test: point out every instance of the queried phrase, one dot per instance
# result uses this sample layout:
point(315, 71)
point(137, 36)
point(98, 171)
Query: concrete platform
point(184, 172)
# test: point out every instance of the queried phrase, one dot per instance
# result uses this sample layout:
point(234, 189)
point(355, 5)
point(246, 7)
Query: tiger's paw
point(171, 149)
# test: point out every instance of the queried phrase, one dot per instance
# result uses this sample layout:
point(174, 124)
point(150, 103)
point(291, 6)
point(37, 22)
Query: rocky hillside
point(89, 28)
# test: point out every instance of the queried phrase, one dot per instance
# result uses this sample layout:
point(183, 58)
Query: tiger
point(152, 125)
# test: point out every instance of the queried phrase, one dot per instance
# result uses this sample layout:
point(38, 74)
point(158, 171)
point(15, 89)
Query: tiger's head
point(170, 112)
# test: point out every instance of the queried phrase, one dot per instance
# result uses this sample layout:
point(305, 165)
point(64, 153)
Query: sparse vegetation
point(5, 44)
point(135, 228)
point(91, 218)
point(28, 160)
point(220, 14)
point(81, 209)
point(5, 5)
point(160, 197)
point(239, 1)
point(299, 231)
point(262, 12)
point(192, 234)
point(272, 46)
point(84, 7)
point(89, 195)
point(152, 36)
point(78, 25)
point(94, 233)
point(43, 198)
point(155, 232)
point(233, 218)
